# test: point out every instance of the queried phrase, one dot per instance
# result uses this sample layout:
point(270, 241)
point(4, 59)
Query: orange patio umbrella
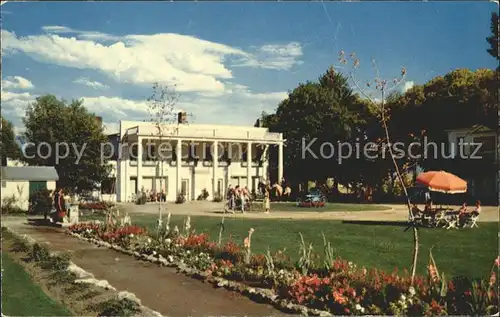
point(444, 182)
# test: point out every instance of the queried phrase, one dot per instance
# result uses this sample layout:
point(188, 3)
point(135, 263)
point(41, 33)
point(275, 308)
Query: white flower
point(170, 258)
point(168, 241)
point(188, 252)
point(149, 240)
point(403, 297)
point(411, 290)
point(201, 254)
point(154, 252)
point(131, 235)
point(358, 307)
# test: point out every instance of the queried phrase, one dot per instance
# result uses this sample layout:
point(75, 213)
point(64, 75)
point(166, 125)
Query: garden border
point(253, 293)
point(87, 277)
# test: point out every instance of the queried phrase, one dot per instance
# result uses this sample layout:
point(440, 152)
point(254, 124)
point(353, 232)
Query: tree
point(8, 146)
point(493, 38)
point(161, 108)
point(322, 113)
point(73, 132)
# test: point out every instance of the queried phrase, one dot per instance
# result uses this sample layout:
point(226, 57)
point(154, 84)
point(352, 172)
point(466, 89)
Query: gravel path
point(205, 208)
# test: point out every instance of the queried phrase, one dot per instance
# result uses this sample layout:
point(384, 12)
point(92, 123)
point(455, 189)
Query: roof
point(29, 173)
point(477, 128)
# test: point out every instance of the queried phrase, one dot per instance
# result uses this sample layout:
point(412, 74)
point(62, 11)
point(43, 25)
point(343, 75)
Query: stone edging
point(251, 292)
point(85, 277)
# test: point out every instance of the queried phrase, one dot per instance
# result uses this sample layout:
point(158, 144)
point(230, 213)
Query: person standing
point(267, 202)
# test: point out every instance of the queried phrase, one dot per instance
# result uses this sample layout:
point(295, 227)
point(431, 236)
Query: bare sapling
point(384, 88)
point(161, 106)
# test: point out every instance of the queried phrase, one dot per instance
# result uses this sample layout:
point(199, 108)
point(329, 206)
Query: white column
point(265, 163)
point(139, 164)
point(249, 166)
point(178, 153)
point(120, 175)
point(280, 162)
point(215, 168)
point(126, 175)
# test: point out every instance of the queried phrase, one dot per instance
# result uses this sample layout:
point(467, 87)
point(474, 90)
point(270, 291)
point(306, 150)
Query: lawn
point(329, 207)
point(21, 296)
point(466, 252)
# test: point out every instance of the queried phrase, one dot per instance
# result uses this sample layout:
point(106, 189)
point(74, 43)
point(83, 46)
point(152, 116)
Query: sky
point(229, 61)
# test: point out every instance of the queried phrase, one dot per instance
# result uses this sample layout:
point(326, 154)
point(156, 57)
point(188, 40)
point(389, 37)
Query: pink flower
point(246, 242)
point(497, 261)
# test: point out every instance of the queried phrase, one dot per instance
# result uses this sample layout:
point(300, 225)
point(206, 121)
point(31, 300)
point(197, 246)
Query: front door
point(36, 186)
point(185, 188)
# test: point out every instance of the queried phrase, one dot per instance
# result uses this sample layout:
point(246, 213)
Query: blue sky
point(230, 60)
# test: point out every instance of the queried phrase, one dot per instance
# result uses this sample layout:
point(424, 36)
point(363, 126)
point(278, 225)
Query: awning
point(29, 173)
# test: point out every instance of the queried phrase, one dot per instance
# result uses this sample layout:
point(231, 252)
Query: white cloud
point(91, 35)
point(89, 83)
point(14, 104)
point(407, 86)
point(275, 56)
point(193, 64)
point(16, 82)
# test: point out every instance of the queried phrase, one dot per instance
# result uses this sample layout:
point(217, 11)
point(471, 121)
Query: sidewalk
point(159, 288)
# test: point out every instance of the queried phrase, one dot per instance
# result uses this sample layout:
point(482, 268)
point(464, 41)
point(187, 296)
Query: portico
point(211, 157)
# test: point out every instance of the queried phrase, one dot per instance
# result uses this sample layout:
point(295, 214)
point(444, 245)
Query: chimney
point(99, 120)
point(181, 117)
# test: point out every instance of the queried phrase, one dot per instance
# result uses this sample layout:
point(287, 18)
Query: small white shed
point(21, 182)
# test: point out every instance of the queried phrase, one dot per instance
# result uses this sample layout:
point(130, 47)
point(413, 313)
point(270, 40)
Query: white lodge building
point(241, 159)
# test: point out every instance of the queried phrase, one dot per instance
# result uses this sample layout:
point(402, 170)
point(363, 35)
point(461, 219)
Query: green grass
point(465, 252)
point(329, 207)
point(22, 297)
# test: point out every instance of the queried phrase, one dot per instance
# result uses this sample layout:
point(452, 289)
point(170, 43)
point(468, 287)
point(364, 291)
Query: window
point(133, 152)
point(220, 186)
point(108, 185)
point(149, 153)
point(207, 156)
point(461, 147)
point(184, 187)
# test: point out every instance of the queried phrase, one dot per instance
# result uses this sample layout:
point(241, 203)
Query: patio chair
point(441, 220)
point(452, 223)
point(471, 220)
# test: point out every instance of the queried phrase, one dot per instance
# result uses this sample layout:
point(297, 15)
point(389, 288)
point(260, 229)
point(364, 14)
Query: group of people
point(463, 213)
point(240, 198)
point(60, 205)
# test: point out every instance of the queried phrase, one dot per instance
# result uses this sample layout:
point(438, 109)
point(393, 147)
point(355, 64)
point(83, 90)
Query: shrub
point(180, 199)
point(9, 207)
point(218, 198)
point(41, 202)
point(142, 199)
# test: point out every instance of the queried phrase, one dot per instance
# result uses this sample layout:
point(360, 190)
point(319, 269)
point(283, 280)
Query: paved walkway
point(206, 208)
point(159, 288)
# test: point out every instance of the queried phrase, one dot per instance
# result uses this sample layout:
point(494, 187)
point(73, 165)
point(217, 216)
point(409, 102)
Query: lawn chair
point(441, 220)
point(452, 223)
point(471, 221)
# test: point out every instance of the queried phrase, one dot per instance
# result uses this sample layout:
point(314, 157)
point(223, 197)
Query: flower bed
point(335, 286)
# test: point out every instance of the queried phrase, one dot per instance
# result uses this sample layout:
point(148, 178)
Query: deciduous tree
point(55, 122)
point(8, 146)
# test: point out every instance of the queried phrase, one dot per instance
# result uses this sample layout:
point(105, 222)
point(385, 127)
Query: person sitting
point(477, 210)
point(462, 214)
point(416, 212)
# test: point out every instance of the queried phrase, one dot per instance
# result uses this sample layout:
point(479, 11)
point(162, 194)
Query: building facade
point(20, 181)
point(480, 167)
point(212, 157)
